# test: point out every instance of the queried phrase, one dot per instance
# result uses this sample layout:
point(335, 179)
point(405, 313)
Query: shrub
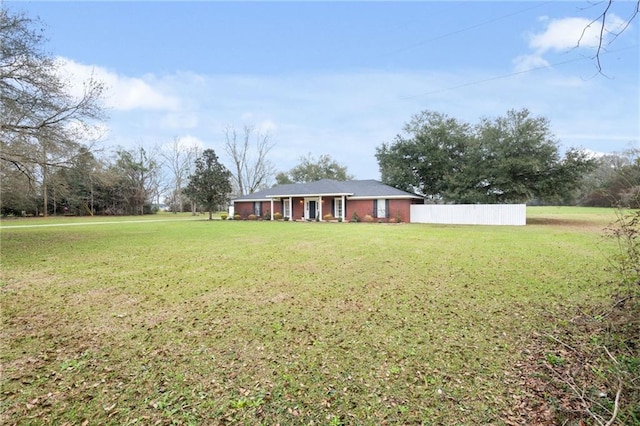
point(327, 216)
point(236, 217)
point(286, 218)
point(367, 218)
point(224, 216)
point(267, 215)
point(277, 215)
point(625, 263)
point(393, 220)
point(354, 217)
point(252, 217)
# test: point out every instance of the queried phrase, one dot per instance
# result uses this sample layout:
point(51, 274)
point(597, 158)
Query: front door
point(311, 210)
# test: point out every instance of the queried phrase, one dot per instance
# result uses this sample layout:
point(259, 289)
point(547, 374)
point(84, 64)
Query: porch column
point(291, 208)
point(271, 211)
point(320, 207)
point(344, 208)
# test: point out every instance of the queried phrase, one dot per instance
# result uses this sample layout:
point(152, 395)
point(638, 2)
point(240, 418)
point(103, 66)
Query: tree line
point(48, 161)
point(48, 164)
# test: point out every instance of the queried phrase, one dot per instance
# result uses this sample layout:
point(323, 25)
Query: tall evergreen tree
point(210, 184)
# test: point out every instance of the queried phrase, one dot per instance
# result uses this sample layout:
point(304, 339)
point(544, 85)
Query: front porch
point(310, 208)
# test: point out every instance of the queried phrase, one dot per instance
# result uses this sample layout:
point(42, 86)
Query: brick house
point(341, 199)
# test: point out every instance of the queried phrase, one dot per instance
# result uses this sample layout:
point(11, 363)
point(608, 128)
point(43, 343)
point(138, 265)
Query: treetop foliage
point(509, 159)
point(311, 169)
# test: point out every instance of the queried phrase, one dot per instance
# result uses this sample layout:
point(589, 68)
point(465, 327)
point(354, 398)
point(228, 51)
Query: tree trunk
point(45, 199)
point(44, 181)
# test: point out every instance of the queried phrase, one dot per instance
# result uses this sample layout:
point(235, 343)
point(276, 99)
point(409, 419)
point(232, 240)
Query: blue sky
point(341, 78)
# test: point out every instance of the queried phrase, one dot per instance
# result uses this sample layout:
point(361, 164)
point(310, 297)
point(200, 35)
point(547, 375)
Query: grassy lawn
point(190, 322)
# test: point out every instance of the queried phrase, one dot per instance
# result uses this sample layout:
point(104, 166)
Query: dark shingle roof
point(352, 188)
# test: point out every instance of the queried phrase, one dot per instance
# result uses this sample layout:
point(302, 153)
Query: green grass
point(192, 322)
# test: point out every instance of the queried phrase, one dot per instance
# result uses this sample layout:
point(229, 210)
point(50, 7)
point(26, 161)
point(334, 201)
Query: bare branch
point(601, 20)
point(616, 402)
point(251, 168)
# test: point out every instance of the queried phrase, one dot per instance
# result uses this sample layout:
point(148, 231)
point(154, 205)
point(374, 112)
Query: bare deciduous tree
point(41, 123)
point(251, 169)
point(179, 158)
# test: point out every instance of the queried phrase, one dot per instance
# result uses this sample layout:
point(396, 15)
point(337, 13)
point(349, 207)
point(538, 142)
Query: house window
point(286, 208)
point(337, 207)
point(381, 207)
point(257, 208)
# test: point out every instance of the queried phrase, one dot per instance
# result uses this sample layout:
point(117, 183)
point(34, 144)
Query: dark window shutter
point(386, 208)
point(375, 208)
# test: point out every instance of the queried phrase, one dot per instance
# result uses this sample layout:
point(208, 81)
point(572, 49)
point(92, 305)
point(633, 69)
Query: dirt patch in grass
point(566, 223)
point(572, 375)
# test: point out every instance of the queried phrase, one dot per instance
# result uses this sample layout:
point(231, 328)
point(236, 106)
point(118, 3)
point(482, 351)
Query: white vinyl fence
point(470, 214)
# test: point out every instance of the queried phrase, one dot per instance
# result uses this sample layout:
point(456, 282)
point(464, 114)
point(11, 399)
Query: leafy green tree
point(311, 169)
point(138, 173)
point(76, 184)
point(521, 160)
point(428, 158)
point(509, 159)
point(210, 184)
point(283, 178)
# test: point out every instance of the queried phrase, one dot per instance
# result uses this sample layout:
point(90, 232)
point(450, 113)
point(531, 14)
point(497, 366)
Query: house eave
point(324, 194)
point(249, 200)
point(388, 197)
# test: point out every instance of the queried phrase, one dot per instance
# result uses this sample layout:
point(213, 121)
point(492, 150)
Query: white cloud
point(247, 116)
point(189, 141)
point(529, 62)
point(568, 33)
point(267, 126)
point(121, 92)
point(185, 143)
point(563, 35)
point(347, 115)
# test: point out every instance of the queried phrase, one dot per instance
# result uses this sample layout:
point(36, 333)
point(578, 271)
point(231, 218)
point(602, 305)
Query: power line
point(499, 77)
point(465, 29)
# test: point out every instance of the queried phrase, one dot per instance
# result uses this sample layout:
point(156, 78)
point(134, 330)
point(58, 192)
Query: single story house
point(340, 199)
